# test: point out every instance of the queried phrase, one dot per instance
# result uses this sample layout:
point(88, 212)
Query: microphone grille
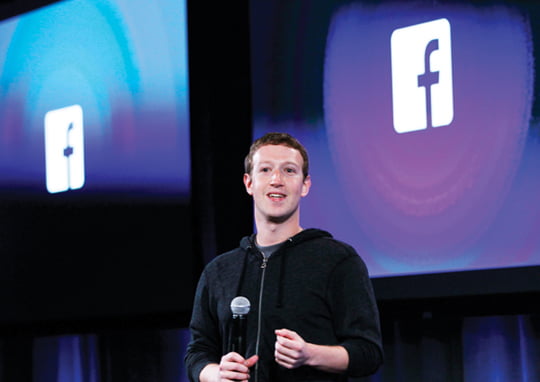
point(240, 305)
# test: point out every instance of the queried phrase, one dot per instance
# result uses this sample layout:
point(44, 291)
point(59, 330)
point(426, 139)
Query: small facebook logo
point(64, 149)
point(422, 91)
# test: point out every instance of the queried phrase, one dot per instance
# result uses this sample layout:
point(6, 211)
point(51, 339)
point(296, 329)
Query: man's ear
point(248, 182)
point(306, 186)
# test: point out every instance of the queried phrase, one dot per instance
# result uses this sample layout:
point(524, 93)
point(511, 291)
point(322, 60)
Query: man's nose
point(276, 177)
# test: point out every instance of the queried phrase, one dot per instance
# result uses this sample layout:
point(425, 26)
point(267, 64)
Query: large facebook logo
point(422, 93)
point(64, 149)
point(426, 113)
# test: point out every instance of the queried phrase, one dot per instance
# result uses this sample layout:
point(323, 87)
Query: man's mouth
point(276, 196)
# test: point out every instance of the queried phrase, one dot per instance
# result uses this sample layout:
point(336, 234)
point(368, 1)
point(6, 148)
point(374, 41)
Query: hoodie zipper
point(259, 314)
point(263, 267)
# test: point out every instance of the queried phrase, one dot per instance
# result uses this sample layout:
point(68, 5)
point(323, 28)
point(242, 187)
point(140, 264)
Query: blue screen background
point(125, 63)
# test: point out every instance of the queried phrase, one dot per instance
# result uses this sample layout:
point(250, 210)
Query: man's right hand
point(233, 367)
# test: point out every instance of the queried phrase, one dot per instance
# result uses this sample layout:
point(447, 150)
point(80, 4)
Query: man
point(313, 316)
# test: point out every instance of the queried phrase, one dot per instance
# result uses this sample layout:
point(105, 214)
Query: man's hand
point(233, 367)
point(291, 351)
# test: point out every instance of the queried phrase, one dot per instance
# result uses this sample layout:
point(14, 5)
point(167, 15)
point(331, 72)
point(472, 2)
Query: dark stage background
point(479, 325)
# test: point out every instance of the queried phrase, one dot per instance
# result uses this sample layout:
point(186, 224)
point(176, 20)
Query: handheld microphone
point(240, 308)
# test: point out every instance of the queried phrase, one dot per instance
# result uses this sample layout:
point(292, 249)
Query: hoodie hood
point(248, 242)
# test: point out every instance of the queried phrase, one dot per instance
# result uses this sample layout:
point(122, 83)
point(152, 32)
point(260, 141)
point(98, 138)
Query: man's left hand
point(291, 351)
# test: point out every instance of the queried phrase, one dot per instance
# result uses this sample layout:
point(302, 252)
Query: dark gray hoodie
point(313, 284)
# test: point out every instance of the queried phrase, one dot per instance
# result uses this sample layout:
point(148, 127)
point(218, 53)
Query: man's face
point(277, 183)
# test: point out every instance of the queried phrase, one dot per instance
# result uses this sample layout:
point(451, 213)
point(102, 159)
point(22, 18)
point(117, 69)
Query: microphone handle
point(238, 335)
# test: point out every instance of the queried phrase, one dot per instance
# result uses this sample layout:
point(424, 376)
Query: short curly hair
point(275, 138)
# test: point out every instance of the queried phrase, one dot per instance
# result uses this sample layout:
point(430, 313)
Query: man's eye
point(290, 170)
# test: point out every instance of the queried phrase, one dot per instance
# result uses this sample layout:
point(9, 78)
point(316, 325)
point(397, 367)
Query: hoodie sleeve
point(356, 317)
point(204, 347)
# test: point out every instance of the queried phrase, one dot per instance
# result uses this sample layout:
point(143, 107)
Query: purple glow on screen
point(427, 197)
point(455, 197)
